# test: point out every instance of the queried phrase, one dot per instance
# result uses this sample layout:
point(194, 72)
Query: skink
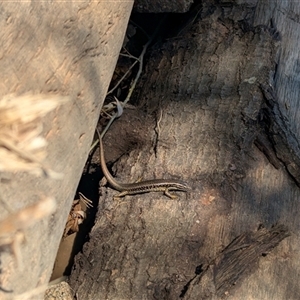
point(154, 185)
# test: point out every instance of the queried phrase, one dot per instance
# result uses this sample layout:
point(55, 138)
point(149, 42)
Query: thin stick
point(134, 83)
point(123, 77)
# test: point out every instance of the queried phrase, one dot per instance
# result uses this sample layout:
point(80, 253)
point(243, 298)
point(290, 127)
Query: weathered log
point(207, 95)
point(52, 48)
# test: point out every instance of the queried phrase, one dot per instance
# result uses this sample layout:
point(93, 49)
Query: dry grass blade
point(27, 108)
point(12, 226)
point(21, 143)
point(27, 216)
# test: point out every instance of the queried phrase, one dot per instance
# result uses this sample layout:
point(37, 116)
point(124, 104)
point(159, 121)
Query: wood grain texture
point(284, 16)
point(66, 48)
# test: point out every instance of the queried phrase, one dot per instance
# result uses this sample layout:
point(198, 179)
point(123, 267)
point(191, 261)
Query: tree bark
point(217, 122)
point(54, 48)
